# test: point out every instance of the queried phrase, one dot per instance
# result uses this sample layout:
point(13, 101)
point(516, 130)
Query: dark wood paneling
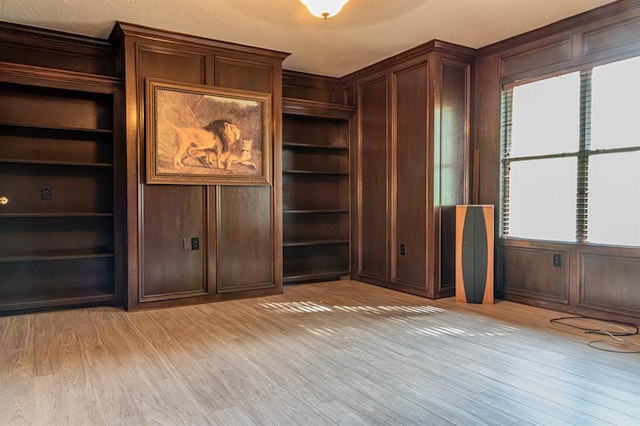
point(610, 282)
point(530, 272)
point(243, 75)
point(595, 37)
point(451, 164)
point(245, 251)
point(486, 128)
point(623, 35)
point(372, 179)
point(56, 50)
point(238, 227)
point(155, 62)
point(170, 214)
point(312, 87)
point(554, 52)
point(410, 183)
point(55, 109)
point(72, 190)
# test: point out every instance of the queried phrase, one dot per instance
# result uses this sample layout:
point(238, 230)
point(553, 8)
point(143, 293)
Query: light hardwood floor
point(329, 353)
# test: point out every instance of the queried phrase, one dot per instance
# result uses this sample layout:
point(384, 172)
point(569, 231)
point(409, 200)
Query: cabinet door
point(410, 177)
point(173, 215)
point(373, 209)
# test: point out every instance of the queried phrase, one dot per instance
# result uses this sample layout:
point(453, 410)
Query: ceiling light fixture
point(324, 8)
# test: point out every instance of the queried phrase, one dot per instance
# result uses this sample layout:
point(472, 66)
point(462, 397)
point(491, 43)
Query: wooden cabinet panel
point(243, 75)
point(372, 180)
point(610, 282)
point(171, 64)
point(413, 160)
point(245, 250)
point(408, 246)
point(451, 174)
point(236, 225)
point(556, 51)
point(171, 214)
point(530, 272)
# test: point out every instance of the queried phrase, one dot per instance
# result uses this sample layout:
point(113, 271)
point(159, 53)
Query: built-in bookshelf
point(316, 190)
point(57, 208)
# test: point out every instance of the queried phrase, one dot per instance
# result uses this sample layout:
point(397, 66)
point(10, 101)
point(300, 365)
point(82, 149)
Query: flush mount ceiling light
point(324, 8)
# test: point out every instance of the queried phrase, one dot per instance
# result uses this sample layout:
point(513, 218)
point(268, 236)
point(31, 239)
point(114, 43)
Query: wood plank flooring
point(329, 353)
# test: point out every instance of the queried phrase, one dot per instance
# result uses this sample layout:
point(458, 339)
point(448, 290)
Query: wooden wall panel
point(530, 272)
point(244, 243)
point(27, 45)
point(451, 174)
point(237, 226)
point(311, 87)
point(170, 214)
point(168, 64)
point(410, 177)
point(372, 179)
point(605, 34)
point(611, 38)
point(243, 75)
point(551, 53)
point(610, 282)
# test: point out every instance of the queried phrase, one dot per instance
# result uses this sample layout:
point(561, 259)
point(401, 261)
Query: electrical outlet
point(557, 260)
point(195, 243)
point(186, 244)
point(403, 250)
point(45, 192)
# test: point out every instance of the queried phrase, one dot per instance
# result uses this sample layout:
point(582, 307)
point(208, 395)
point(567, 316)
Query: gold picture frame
point(206, 135)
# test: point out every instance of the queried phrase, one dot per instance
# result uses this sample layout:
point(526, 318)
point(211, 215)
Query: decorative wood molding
point(123, 29)
point(403, 58)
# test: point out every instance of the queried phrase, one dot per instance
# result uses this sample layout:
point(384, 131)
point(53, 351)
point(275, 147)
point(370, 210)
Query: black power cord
point(615, 335)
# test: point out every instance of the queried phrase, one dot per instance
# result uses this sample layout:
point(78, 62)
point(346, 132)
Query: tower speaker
point(474, 254)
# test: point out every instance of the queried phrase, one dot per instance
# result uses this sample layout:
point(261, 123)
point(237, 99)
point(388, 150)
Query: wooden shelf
point(320, 276)
point(315, 242)
point(313, 172)
point(314, 146)
point(51, 300)
point(45, 215)
point(315, 186)
point(61, 255)
point(54, 163)
point(57, 129)
point(316, 211)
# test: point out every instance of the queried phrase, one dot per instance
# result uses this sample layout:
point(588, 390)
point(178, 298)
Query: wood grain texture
point(355, 354)
point(152, 53)
point(372, 175)
point(524, 270)
point(410, 178)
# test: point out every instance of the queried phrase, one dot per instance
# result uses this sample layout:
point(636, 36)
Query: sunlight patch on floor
point(313, 307)
point(495, 330)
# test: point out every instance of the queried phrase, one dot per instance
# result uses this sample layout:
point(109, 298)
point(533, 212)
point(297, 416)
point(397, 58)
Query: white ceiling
point(365, 32)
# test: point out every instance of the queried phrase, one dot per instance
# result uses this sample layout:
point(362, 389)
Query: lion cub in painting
point(243, 158)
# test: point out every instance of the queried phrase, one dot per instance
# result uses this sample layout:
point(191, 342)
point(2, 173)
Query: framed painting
point(206, 135)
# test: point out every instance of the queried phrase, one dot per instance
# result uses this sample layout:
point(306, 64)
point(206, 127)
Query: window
point(571, 156)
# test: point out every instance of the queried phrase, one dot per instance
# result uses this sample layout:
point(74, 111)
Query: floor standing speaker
point(474, 254)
